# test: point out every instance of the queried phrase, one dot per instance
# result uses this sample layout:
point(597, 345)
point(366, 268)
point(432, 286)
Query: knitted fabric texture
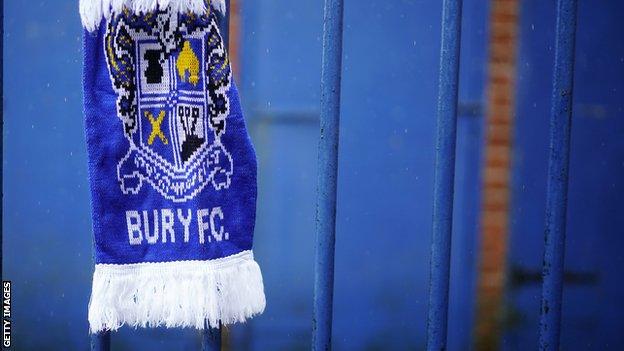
point(172, 169)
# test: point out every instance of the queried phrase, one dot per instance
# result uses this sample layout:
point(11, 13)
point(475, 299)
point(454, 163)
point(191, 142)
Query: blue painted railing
point(557, 189)
point(448, 86)
point(327, 176)
point(444, 175)
point(211, 339)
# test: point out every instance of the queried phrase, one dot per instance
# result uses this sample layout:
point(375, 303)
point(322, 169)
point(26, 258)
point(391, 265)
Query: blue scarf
point(172, 169)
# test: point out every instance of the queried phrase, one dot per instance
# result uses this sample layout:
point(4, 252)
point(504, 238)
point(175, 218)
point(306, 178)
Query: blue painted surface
point(558, 172)
point(46, 224)
point(331, 73)
point(211, 337)
point(593, 294)
point(466, 209)
point(444, 176)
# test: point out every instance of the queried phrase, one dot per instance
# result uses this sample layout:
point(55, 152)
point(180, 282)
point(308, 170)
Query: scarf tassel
point(93, 11)
point(195, 294)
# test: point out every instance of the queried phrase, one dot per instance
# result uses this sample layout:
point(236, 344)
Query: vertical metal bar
point(444, 175)
point(101, 341)
point(211, 338)
point(557, 189)
point(327, 175)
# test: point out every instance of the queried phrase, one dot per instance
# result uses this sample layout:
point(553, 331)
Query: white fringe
point(92, 11)
point(176, 294)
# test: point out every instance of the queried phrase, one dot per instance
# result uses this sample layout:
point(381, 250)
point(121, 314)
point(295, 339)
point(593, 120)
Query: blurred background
point(389, 92)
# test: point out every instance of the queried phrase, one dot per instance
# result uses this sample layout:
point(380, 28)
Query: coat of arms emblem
point(171, 75)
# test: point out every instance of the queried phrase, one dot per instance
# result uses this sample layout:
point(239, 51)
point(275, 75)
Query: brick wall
point(496, 172)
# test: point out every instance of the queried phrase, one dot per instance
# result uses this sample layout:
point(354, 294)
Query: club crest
point(171, 75)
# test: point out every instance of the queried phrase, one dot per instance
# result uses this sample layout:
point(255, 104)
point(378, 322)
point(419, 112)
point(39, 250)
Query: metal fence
point(444, 174)
point(556, 195)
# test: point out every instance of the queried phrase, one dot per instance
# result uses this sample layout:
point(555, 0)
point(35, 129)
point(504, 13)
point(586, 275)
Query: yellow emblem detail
point(156, 131)
point(188, 62)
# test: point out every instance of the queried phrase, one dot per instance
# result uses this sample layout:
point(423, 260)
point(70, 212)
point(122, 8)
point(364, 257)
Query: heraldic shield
point(172, 169)
point(171, 75)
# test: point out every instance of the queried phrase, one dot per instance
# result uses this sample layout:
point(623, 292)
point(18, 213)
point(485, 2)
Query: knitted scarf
point(172, 169)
